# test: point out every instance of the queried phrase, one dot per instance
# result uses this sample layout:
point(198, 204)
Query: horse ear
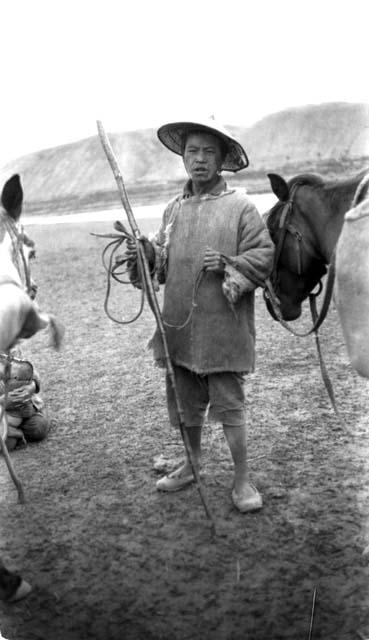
point(279, 186)
point(12, 196)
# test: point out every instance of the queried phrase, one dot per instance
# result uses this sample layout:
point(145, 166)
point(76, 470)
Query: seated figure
point(26, 417)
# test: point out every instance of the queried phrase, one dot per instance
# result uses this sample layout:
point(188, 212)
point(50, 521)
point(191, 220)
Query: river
point(263, 201)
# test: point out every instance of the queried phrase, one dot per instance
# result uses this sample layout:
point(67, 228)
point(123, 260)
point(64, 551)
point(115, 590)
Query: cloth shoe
point(175, 480)
point(249, 503)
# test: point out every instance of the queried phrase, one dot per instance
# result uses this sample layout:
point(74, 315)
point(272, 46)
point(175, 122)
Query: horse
point(20, 318)
point(305, 225)
point(352, 279)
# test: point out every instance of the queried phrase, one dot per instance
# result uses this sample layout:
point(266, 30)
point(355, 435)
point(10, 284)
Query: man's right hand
point(131, 251)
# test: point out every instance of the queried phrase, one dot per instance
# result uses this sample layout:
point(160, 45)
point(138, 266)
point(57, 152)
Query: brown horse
point(352, 279)
point(305, 225)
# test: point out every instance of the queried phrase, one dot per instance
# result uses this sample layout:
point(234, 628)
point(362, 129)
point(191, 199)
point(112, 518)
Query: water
point(263, 201)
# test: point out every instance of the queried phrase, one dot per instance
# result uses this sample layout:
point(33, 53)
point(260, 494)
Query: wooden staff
point(154, 305)
point(3, 447)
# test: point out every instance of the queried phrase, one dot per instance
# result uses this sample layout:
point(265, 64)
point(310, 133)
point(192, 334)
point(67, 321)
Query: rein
point(287, 227)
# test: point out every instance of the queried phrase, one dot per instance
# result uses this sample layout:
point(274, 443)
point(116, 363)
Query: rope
point(198, 279)
point(114, 245)
point(270, 294)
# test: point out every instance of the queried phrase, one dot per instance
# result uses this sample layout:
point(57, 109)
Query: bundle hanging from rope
point(148, 292)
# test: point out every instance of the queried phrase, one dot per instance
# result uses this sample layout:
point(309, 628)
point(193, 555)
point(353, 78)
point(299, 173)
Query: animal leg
point(35, 321)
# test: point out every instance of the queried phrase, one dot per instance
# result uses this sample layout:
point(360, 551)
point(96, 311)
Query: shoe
point(175, 480)
point(22, 591)
point(250, 503)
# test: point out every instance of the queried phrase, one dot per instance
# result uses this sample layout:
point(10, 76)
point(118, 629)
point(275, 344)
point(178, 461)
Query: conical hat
point(172, 136)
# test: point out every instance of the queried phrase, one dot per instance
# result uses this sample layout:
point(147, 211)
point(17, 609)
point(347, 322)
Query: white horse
point(20, 316)
point(352, 279)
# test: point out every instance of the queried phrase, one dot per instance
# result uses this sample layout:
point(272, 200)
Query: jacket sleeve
point(255, 248)
point(160, 240)
point(156, 248)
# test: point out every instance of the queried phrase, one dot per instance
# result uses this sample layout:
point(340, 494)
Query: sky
point(140, 63)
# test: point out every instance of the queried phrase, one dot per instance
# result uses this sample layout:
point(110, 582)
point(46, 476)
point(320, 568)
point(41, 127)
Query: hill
point(331, 138)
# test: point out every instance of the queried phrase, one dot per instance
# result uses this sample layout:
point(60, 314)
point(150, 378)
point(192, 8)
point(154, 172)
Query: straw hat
point(172, 136)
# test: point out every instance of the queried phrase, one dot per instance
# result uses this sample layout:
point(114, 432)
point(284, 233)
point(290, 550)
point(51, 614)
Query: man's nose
point(200, 156)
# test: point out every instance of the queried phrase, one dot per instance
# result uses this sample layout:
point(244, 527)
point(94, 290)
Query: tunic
point(214, 335)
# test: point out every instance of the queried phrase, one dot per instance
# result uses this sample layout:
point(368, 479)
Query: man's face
point(202, 157)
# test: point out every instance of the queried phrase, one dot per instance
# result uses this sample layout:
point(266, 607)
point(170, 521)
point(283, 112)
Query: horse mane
point(308, 179)
point(334, 190)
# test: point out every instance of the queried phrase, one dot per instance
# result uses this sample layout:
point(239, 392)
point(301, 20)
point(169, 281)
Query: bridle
point(270, 296)
point(287, 226)
point(17, 240)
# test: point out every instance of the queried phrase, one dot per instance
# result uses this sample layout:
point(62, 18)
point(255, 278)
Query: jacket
point(205, 333)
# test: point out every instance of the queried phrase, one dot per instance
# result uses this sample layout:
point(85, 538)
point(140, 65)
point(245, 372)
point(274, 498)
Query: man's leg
point(193, 393)
point(245, 496)
point(36, 427)
point(194, 437)
point(183, 476)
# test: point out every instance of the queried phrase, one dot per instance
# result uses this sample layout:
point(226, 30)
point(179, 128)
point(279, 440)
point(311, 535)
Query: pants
point(34, 428)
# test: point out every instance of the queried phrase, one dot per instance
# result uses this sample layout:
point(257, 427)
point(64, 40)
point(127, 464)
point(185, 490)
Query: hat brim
point(172, 135)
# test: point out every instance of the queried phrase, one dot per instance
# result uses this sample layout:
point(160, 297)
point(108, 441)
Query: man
point(26, 417)
point(212, 250)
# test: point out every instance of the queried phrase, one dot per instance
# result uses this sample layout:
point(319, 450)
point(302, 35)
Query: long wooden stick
point(3, 447)
point(153, 302)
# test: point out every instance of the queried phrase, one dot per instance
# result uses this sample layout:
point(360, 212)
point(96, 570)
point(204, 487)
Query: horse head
point(299, 263)
point(17, 248)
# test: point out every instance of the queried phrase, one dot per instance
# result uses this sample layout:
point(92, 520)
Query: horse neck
point(325, 209)
point(10, 267)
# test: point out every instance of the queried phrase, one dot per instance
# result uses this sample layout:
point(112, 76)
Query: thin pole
point(312, 616)
point(154, 305)
point(3, 447)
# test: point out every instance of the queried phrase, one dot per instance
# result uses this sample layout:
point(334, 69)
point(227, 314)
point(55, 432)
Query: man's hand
point(213, 261)
point(23, 394)
point(131, 250)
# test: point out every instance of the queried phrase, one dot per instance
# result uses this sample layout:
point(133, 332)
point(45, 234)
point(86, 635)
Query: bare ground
point(109, 557)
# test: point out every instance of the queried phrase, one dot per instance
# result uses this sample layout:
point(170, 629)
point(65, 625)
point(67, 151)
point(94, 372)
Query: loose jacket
point(214, 336)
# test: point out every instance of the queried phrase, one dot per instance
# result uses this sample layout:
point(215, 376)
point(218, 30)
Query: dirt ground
point(110, 558)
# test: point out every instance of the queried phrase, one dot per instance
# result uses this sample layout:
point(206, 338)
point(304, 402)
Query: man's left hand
point(22, 394)
point(213, 261)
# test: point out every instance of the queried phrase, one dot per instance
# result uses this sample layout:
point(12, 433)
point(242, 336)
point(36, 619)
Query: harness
point(19, 259)
point(287, 226)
